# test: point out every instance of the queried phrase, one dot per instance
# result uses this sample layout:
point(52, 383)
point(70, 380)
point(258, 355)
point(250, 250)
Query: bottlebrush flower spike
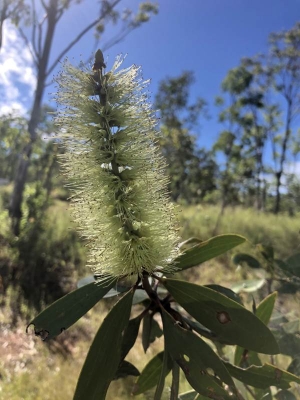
point(115, 169)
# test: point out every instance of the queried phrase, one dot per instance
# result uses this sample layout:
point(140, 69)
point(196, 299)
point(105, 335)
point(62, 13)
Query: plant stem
point(175, 382)
point(161, 382)
point(250, 391)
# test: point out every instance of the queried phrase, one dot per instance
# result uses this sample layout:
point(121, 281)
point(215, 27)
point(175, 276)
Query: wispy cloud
point(17, 74)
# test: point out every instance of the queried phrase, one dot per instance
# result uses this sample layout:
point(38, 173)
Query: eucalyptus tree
point(284, 72)
point(191, 169)
point(245, 94)
point(42, 21)
point(13, 10)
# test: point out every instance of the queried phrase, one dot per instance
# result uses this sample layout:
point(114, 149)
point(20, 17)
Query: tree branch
point(79, 36)
point(34, 20)
point(41, 36)
point(117, 39)
point(32, 52)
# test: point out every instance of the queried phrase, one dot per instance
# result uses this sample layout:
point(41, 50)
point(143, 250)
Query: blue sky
point(206, 36)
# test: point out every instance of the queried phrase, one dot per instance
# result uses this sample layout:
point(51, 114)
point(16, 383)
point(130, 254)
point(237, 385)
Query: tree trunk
point(15, 210)
point(277, 196)
point(279, 173)
point(3, 16)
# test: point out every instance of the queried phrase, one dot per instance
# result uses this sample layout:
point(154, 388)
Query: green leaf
point(245, 358)
point(230, 321)
point(146, 331)
point(64, 312)
point(265, 308)
point(126, 369)
point(115, 291)
point(151, 373)
point(263, 394)
point(293, 264)
point(199, 328)
point(289, 345)
point(104, 356)
point(294, 367)
point(189, 243)
point(130, 335)
point(197, 359)
point(266, 251)
point(191, 395)
point(285, 395)
point(162, 377)
point(262, 377)
point(207, 250)
point(243, 258)
point(227, 292)
point(248, 286)
point(151, 331)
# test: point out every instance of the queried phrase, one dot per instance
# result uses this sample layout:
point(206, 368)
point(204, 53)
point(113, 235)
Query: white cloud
point(293, 168)
point(17, 74)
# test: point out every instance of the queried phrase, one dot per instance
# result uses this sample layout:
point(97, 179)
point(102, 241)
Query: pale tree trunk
point(24, 161)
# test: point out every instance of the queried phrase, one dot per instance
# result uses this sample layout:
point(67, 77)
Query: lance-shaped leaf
point(227, 292)
point(197, 359)
point(104, 356)
point(151, 331)
point(151, 373)
point(206, 250)
point(263, 312)
point(190, 395)
point(67, 310)
point(263, 377)
point(285, 395)
point(126, 369)
point(243, 258)
point(130, 335)
point(229, 320)
point(248, 286)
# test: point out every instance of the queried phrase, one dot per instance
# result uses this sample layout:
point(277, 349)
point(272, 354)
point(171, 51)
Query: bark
point(24, 161)
point(279, 173)
point(3, 16)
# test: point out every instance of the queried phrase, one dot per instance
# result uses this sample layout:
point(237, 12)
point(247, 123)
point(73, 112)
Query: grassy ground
point(33, 370)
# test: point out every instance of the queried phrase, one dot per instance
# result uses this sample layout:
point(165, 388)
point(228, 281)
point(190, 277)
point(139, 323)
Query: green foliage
point(204, 251)
point(67, 310)
point(49, 253)
point(104, 356)
point(192, 170)
point(218, 315)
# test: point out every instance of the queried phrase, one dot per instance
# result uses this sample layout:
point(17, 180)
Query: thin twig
point(78, 37)
point(41, 36)
point(30, 48)
point(34, 20)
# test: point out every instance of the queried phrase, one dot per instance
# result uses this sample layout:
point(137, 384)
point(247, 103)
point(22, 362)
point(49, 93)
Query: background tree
point(13, 10)
point(191, 169)
point(283, 68)
point(40, 45)
point(244, 87)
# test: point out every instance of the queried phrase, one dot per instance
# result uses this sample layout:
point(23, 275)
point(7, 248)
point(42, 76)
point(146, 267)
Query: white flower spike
point(115, 169)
